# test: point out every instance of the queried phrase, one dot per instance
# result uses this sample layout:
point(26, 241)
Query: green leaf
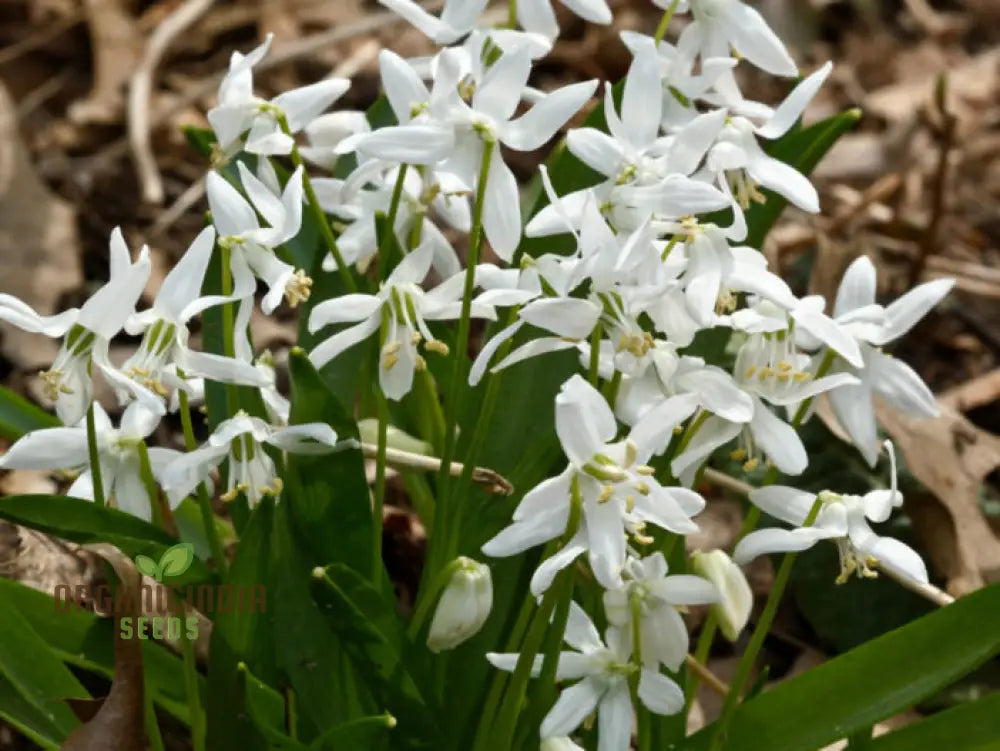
point(19, 416)
point(869, 683)
point(80, 638)
point(327, 494)
point(970, 727)
point(35, 673)
point(28, 718)
point(176, 560)
point(147, 566)
point(365, 732)
point(266, 708)
point(242, 638)
point(307, 651)
point(84, 522)
point(373, 636)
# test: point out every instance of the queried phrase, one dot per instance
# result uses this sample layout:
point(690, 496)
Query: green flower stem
point(594, 371)
point(149, 715)
point(642, 714)
point(204, 501)
point(564, 586)
point(149, 482)
point(382, 406)
point(750, 522)
point(661, 29)
point(460, 348)
point(228, 323)
point(95, 461)
point(291, 714)
point(757, 640)
point(516, 689)
point(197, 713)
point(318, 214)
point(430, 406)
point(511, 14)
point(385, 242)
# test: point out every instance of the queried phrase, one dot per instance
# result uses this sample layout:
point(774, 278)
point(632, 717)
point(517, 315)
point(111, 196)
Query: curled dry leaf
point(119, 723)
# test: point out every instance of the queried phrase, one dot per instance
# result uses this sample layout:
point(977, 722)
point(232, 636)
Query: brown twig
point(140, 87)
point(707, 677)
point(946, 137)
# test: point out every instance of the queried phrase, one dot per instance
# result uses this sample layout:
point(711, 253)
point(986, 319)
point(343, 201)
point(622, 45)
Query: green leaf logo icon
point(174, 562)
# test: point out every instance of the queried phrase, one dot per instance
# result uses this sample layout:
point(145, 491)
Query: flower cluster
point(658, 260)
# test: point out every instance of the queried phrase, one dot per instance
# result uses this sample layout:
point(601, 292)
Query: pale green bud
point(736, 600)
point(464, 605)
point(395, 438)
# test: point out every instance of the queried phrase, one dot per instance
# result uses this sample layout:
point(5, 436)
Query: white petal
point(489, 349)
point(344, 309)
point(856, 414)
point(753, 39)
point(787, 504)
point(614, 719)
point(584, 421)
point(595, 11)
point(541, 580)
point(903, 314)
point(655, 428)
point(639, 114)
point(304, 104)
point(606, 542)
point(422, 144)
point(660, 694)
point(538, 125)
point(569, 317)
point(830, 333)
point(692, 142)
point(784, 180)
point(773, 540)
point(182, 286)
point(521, 536)
point(897, 557)
point(330, 348)
point(572, 707)
point(899, 384)
point(779, 441)
point(792, 107)
point(714, 432)
point(501, 210)
point(231, 214)
point(312, 438)
point(581, 634)
point(500, 91)
point(685, 589)
point(531, 349)
point(107, 309)
point(434, 28)
point(49, 448)
point(596, 149)
point(538, 17)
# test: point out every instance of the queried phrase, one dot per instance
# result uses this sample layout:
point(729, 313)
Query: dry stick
point(493, 481)
point(139, 90)
point(927, 591)
point(40, 38)
point(709, 678)
point(946, 134)
point(289, 53)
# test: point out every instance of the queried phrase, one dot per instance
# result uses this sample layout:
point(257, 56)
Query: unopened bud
point(733, 609)
point(464, 605)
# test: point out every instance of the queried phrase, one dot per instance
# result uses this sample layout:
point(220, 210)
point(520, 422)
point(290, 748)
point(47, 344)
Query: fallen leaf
point(119, 723)
point(39, 247)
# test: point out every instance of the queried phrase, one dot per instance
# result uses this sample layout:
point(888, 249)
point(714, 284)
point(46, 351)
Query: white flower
point(118, 456)
point(399, 310)
point(422, 191)
point(603, 672)
point(842, 519)
point(164, 325)
point(722, 25)
point(538, 15)
point(732, 611)
point(251, 470)
point(477, 106)
point(741, 165)
point(239, 111)
point(618, 493)
point(252, 247)
point(88, 332)
point(327, 132)
point(458, 18)
point(464, 605)
point(874, 326)
point(652, 595)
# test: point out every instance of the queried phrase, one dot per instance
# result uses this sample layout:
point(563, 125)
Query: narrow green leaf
point(266, 708)
point(27, 718)
point(19, 416)
point(83, 522)
point(869, 683)
point(970, 727)
point(36, 673)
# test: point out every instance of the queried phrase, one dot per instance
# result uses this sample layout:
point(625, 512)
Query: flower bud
point(464, 605)
point(395, 438)
point(733, 609)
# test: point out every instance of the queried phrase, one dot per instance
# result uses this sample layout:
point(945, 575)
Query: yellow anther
point(415, 339)
point(749, 372)
point(389, 361)
point(642, 487)
point(802, 376)
point(784, 366)
point(751, 464)
point(606, 492)
point(678, 430)
point(229, 495)
point(738, 455)
point(298, 288)
point(644, 469)
point(436, 345)
point(419, 363)
point(764, 374)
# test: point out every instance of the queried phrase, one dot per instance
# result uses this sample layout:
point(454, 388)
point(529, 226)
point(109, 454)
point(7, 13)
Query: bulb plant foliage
point(634, 333)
